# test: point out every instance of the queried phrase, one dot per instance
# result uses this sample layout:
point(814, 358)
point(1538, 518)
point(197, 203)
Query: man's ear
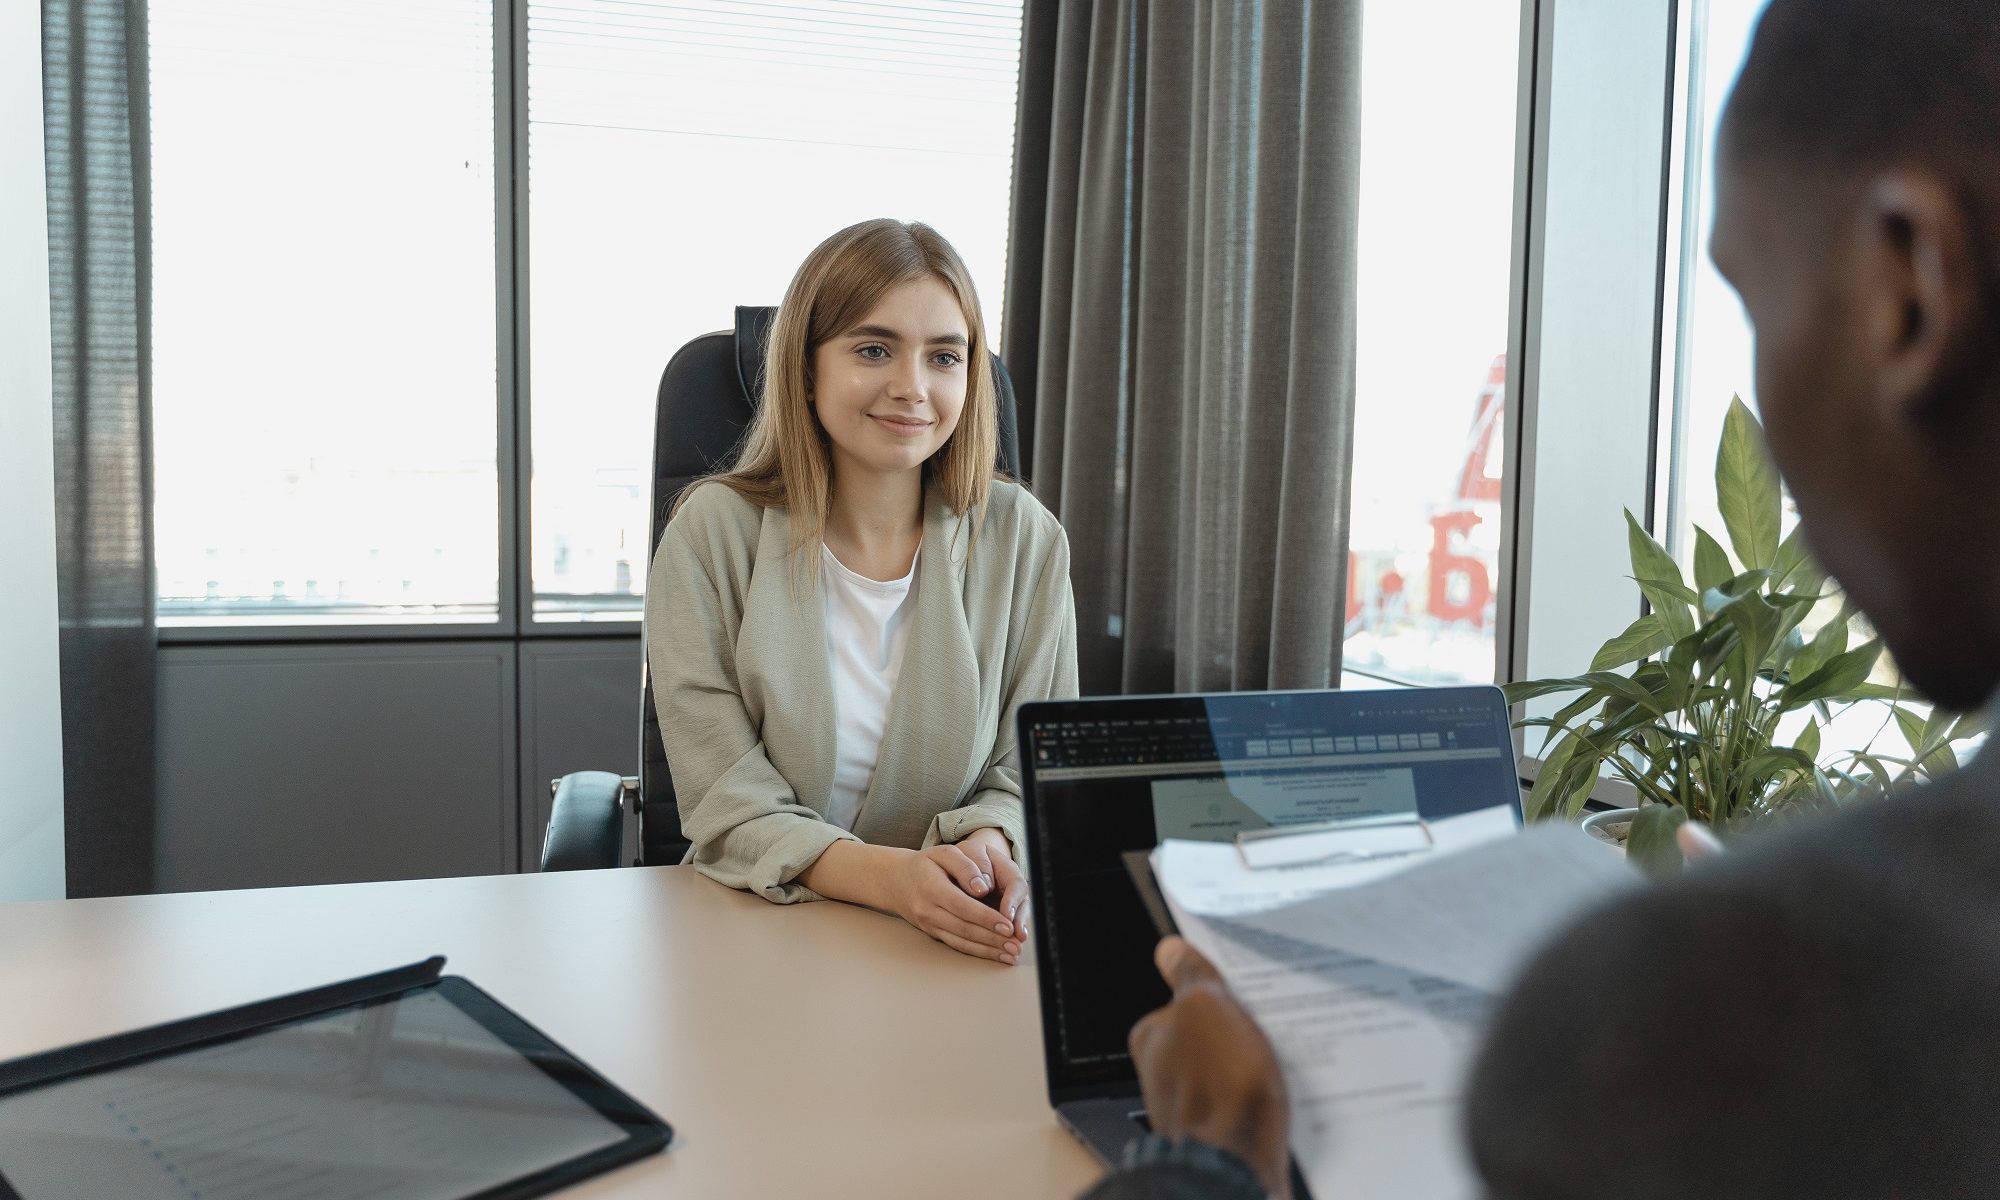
point(1925, 283)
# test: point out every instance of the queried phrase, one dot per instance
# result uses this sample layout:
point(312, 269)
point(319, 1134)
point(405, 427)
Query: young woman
point(841, 626)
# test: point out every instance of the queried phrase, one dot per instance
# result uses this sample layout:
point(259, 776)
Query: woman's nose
point(908, 382)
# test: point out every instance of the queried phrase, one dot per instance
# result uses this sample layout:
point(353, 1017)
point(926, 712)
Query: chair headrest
point(753, 333)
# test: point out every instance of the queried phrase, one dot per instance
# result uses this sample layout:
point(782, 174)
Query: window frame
point(1595, 185)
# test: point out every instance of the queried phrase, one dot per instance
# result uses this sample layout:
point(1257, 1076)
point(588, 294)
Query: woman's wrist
point(857, 872)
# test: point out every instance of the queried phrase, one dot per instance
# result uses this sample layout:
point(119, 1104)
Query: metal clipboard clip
point(1362, 839)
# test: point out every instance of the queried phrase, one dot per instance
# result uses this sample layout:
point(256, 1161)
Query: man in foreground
point(1818, 1016)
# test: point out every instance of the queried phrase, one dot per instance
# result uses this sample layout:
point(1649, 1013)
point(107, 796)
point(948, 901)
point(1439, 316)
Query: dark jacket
point(1814, 1016)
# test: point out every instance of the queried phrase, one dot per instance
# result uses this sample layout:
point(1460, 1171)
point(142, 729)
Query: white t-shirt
point(867, 625)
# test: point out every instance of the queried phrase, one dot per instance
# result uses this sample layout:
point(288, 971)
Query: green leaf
point(1646, 636)
point(1576, 708)
point(1970, 724)
point(1758, 627)
point(1912, 727)
point(1794, 567)
point(1771, 762)
point(1541, 796)
point(1938, 763)
point(1618, 685)
point(1736, 588)
point(1659, 577)
point(1746, 488)
point(1807, 743)
point(1871, 691)
point(1843, 674)
point(1650, 561)
point(1651, 845)
point(1711, 561)
point(1883, 776)
point(1936, 730)
point(1823, 649)
point(1788, 649)
point(1532, 689)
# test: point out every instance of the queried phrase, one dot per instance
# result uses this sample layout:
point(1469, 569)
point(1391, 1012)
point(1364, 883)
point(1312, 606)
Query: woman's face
point(889, 391)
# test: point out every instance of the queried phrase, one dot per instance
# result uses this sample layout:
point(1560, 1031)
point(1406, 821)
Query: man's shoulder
point(1811, 979)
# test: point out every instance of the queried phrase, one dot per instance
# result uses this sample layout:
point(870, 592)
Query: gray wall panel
point(335, 763)
point(579, 712)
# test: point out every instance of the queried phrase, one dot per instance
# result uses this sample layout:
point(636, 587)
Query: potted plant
point(1712, 705)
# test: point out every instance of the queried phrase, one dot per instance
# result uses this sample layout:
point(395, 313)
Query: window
point(323, 249)
point(683, 160)
point(1437, 201)
point(328, 235)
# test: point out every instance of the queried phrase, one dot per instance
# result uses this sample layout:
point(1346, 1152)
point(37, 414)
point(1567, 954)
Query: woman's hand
point(933, 890)
point(1001, 883)
point(1207, 1071)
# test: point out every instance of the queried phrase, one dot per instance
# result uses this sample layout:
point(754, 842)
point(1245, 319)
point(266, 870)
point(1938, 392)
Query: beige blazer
point(736, 641)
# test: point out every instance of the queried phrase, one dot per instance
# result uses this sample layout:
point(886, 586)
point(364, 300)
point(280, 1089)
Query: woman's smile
point(901, 426)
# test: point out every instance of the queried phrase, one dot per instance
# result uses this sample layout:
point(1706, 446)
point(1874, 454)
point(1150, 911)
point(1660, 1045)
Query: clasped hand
point(970, 896)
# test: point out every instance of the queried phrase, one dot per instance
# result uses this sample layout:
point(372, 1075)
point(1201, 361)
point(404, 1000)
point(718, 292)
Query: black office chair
point(707, 393)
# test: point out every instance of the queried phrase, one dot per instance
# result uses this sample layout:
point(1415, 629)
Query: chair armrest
point(586, 822)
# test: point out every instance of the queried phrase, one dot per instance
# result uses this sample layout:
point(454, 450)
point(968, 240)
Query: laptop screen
point(1108, 776)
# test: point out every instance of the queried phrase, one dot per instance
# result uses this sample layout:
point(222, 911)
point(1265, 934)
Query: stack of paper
point(1373, 980)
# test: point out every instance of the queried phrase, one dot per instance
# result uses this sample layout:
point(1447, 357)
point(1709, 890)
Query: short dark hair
point(1840, 85)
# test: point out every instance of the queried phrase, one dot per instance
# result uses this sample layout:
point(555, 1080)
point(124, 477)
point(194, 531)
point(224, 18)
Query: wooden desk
point(815, 1050)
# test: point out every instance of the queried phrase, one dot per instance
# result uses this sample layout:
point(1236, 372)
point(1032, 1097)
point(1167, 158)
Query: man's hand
point(932, 890)
point(1697, 842)
point(1001, 883)
point(1208, 1072)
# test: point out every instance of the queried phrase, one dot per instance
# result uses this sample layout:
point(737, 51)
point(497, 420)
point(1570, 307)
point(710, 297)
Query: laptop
point(1109, 776)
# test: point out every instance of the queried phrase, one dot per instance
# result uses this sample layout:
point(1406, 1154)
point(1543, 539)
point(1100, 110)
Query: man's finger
point(1697, 841)
point(1181, 965)
point(1143, 1031)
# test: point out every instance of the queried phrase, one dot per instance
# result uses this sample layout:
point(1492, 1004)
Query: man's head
point(1858, 215)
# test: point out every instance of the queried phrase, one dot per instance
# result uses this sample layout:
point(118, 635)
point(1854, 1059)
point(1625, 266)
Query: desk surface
point(814, 1050)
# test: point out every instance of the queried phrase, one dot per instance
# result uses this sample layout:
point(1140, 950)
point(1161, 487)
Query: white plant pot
point(1610, 827)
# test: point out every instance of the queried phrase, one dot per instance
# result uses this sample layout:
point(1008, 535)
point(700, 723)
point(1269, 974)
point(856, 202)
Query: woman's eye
point(873, 352)
point(946, 358)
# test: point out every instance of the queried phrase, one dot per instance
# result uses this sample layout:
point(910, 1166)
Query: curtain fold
point(94, 104)
point(1181, 304)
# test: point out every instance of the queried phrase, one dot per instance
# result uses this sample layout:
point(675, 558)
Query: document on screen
point(1375, 996)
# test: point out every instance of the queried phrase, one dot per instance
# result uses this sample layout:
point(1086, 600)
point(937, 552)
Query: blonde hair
point(784, 460)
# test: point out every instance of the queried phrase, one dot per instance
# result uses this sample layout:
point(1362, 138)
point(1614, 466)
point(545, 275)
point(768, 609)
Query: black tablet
point(401, 1086)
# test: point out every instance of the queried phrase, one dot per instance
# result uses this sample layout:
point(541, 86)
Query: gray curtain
point(94, 101)
point(1180, 322)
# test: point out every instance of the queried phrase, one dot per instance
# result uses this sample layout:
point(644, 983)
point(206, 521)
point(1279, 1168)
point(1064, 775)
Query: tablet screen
point(409, 1098)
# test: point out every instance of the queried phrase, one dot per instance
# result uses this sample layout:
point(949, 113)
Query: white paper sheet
point(1209, 878)
point(1375, 994)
